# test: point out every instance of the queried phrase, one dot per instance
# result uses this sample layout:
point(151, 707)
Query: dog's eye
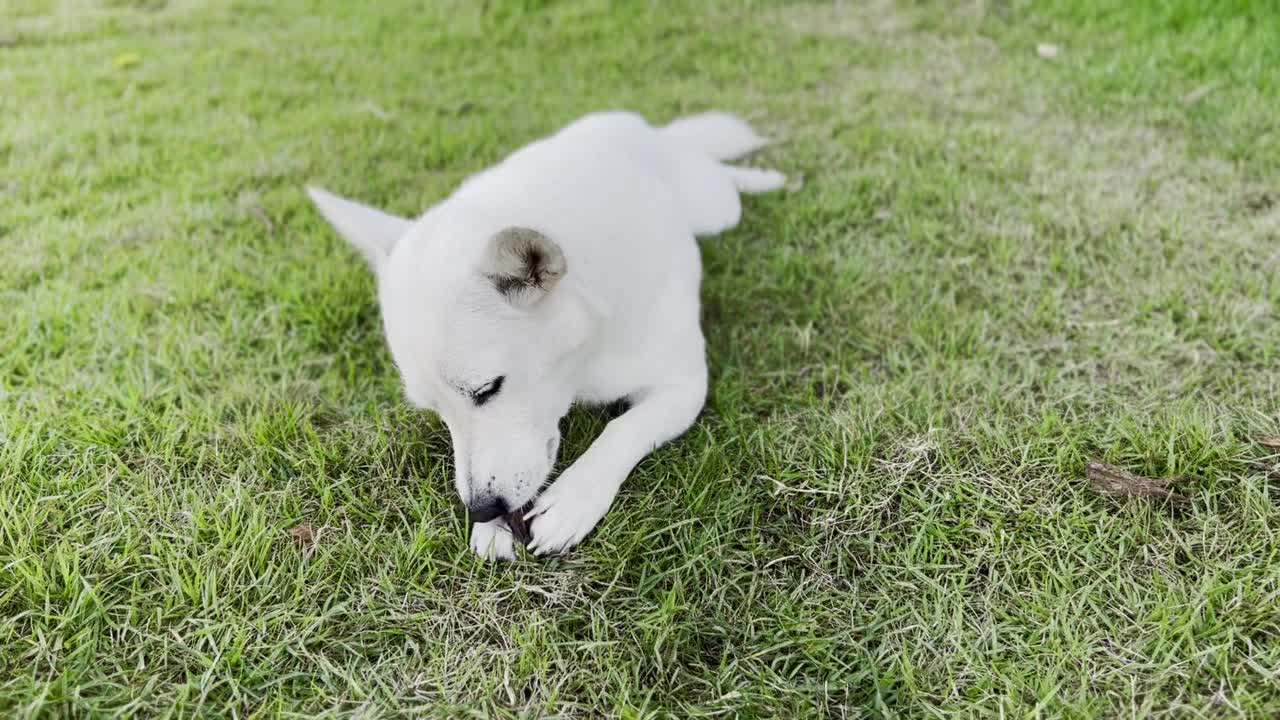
point(485, 393)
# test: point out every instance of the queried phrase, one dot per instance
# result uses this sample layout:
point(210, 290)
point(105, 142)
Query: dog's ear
point(523, 265)
point(372, 232)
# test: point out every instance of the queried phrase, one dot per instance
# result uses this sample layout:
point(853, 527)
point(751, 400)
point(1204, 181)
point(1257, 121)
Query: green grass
point(997, 267)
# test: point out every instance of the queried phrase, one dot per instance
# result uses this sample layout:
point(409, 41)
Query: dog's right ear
point(372, 232)
point(523, 265)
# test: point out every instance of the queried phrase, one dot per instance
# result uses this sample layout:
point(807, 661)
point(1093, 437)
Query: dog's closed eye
point(486, 392)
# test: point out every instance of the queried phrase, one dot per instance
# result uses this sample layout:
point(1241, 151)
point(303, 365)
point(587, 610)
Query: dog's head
point(480, 334)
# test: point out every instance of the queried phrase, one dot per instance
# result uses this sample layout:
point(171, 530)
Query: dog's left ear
point(373, 232)
point(523, 265)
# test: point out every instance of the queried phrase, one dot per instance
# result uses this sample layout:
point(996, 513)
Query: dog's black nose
point(486, 509)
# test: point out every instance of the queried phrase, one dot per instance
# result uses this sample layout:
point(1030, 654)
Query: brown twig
point(519, 526)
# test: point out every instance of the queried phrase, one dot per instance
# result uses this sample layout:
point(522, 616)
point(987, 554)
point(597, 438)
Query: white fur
point(622, 201)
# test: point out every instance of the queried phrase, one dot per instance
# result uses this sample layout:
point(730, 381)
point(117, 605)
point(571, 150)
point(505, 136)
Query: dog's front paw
point(492, 541)
point(568, 510)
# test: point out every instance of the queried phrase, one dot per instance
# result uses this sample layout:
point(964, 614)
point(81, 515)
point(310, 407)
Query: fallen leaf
point(1114, 482)
point(1198, 94)
point(303, 535)
point(8, 41)
point(1271, 443)
point(1048, 51)
point(127, 60)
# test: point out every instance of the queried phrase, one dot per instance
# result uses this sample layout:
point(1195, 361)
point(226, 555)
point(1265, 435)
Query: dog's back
point(607, 157)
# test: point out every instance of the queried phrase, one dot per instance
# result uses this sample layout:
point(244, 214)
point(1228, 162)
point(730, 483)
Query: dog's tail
point(751, 180)
point(721, 135)
point(707, 186)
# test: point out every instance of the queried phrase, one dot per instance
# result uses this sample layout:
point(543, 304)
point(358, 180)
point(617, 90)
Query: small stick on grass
point(1113, 482)
point(519, 526)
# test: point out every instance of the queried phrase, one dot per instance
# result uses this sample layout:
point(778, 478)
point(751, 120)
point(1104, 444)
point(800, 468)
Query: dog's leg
point(492, 540)
point(580, 497)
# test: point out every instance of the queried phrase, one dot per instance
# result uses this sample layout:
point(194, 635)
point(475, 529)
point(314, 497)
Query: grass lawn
point(999, 265)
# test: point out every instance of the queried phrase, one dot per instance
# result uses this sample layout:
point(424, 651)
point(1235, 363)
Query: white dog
point(566, 273)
